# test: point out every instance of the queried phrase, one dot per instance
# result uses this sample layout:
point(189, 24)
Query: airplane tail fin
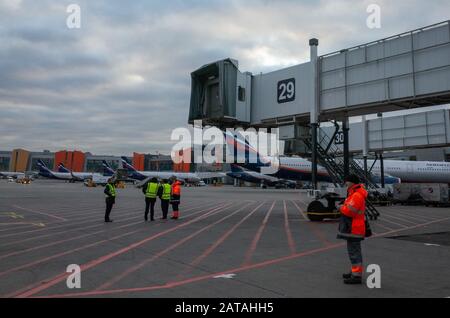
point(41, 163)
point(107, 170)
point(127, 165)
point(246, 155)
point(62, 168)
point(43, 169)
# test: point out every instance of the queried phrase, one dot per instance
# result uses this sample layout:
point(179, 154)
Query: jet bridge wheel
point(317, 212)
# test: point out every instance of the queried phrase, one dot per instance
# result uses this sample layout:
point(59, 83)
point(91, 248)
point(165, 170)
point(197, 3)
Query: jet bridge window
point(241, 94)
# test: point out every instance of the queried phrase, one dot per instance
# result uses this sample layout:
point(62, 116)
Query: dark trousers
point(110, 201)
point(175, 202)
point(354, 252)
point(150, 205)
point(165, 208)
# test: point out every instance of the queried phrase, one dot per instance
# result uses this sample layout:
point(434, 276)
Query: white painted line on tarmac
point(226, 276)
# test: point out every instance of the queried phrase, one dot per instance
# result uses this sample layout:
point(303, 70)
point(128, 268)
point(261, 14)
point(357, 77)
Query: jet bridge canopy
point(219, 93)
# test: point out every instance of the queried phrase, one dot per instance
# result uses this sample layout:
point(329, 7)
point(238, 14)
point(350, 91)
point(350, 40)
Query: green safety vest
point(152, 190)
point(112, 190)
point(167, 189)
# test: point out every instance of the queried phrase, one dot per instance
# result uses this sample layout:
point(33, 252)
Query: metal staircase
point(331, 158)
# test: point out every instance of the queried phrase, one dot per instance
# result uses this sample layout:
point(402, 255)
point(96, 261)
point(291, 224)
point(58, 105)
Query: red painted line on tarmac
point(17, 228)
point(301, 212)
point(218, 242)
point(392, 222)
point(235, 270)
point(397, 218)
point(41, 213)
point(400, 212)
point(288, 230)
point(55, 280)
point(257, 237)
point(95, 219)
point(63, 241)
point(381, 225)
point(168, 249)
point(18, 223)
point(48, 258)
point(46, 229)
point(85, 235)
point(314, 227)
point(34, 285)
point(90, 219)
point(196, 279)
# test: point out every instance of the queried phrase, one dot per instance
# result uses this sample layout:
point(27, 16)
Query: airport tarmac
point(230, 242)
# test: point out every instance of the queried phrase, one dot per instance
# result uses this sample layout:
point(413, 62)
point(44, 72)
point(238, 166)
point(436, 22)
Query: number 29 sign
point(286, 91)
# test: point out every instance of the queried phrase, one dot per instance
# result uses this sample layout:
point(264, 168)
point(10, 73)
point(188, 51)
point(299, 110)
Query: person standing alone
point(352, 227)
point(110, 192)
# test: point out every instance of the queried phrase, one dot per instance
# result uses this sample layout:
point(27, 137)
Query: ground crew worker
point(150, 189)
point(175, 198)
point(110, 191)
point(164, 195)
point(352, 226)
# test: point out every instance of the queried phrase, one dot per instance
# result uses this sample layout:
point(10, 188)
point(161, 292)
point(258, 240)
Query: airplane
point(14, 175)
point(413, 171)
point(143, 175)
point(291, 168)
point(45, 172)
point(187, 177)
point(239, 173)
point(107, 171)
point(79, 176)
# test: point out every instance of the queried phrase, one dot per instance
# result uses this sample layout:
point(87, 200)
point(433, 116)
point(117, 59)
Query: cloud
point(11, 4)
point(121, 83)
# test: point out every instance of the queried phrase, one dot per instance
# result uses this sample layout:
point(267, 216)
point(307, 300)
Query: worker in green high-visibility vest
point(164, 194)
point(150, 189)
point(110, 192)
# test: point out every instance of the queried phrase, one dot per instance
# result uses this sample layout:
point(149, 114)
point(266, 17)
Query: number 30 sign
point(286, 91)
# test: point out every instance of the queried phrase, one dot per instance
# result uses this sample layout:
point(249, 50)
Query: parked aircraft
point(188, 177)
point(294, 168)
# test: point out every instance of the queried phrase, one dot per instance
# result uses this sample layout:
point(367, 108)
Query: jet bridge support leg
point(346, 129)
point(314, 129)
point(365, 168)
point(382, 170)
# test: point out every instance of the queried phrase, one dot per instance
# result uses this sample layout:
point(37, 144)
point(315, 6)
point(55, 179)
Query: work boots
point(353, 280)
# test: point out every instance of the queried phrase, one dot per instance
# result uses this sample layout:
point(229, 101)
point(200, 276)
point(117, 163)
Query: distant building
point(95, 163)
point(150, 162)
point(5, 159)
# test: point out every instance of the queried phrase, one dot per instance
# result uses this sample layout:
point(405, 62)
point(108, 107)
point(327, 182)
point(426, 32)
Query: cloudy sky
point(121, 83)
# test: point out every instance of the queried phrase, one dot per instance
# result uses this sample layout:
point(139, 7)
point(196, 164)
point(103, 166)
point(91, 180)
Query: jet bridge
point(404, 71)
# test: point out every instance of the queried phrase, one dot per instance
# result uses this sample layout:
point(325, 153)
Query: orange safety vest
point(354, 207)
point(176, 188)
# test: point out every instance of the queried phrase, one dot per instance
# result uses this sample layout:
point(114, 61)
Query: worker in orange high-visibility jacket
point(175, 197)
point(352, 226)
